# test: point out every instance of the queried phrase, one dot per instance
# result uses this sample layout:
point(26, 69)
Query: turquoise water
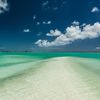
point(9, 59)
point(48, 55)
point(14, 63)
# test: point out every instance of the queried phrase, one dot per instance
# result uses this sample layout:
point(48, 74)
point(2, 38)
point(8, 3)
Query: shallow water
point(50, 76)
point(13, 63)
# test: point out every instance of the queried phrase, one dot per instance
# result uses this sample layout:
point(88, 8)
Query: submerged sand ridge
point(62, 78)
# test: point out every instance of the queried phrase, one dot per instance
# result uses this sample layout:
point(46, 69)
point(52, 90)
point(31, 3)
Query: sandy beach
point(62, 78)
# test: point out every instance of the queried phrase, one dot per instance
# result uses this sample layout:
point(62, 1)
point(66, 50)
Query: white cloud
point(26, 30)
point(38, 23)
point(45, 3)
point(34, 17)
point(75, 23)
point(46, 23)
point(72, 33)
point(97, 48)
point(95, 9)
point(3, 6)
point(55, 32)
point(49, 22)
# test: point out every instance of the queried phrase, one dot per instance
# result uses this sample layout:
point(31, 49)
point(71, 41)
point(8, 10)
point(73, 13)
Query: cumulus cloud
point(3, 6)
point(26, 30)
point(95, 9)
point(75, 23)
point(55, 32)
point(72, 33)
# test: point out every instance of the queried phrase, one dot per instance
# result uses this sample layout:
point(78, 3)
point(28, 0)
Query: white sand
point(56, 79)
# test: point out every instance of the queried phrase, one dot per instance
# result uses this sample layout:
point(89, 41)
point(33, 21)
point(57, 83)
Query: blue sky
point(50, 24)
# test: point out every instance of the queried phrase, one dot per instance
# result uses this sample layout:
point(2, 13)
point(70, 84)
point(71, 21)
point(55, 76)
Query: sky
point(53, 25)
